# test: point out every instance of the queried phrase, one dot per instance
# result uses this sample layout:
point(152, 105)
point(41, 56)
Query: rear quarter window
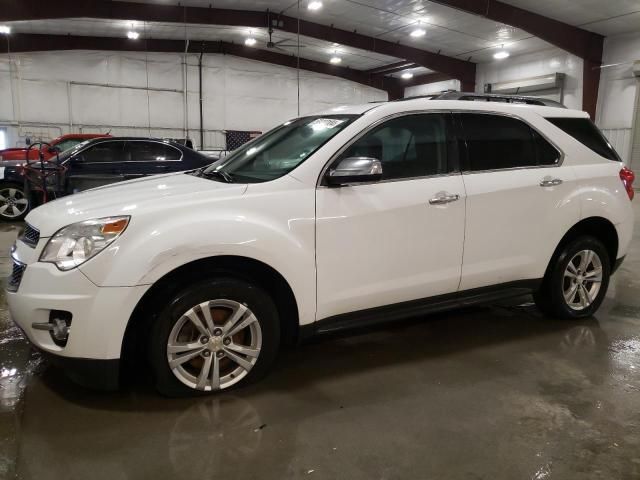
point(585, 131)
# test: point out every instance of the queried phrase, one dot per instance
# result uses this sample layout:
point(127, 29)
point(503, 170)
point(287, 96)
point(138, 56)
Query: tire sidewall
point(583, 243)
point(243, 292)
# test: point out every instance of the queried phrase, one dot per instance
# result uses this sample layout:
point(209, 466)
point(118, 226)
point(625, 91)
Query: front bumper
point(99, 314)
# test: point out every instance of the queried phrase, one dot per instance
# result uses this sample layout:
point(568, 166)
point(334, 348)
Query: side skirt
point(414, 308)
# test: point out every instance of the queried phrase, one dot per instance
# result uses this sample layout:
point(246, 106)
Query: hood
point(136, 197)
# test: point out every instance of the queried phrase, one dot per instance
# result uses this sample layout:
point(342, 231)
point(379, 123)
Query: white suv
point(357, 215)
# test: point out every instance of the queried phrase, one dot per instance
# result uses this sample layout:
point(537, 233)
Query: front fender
point(258, 227)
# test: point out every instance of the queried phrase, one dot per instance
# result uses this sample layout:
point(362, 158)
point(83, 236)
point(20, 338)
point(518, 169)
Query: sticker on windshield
point(325, 123)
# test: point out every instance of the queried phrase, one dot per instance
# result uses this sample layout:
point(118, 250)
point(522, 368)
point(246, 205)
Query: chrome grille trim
point(30, 236)
point(14, 279)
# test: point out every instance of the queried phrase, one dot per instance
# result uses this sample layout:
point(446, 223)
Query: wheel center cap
point(215, 344)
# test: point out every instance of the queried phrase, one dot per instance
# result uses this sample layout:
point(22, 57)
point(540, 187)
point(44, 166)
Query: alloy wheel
point(13, 203)
point(214, 345)
point(582, 279)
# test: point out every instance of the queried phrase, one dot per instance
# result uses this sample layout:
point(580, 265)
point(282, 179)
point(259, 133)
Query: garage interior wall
point(432, 88)
point(618, 90)
point(544, 62)
point(134, 93)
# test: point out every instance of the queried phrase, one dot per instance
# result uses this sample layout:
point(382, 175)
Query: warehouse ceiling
point(448, 31)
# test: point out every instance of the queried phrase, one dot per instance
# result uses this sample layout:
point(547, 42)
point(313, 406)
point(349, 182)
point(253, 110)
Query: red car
point(59, 144)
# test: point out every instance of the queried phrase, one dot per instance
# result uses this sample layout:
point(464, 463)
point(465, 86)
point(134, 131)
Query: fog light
point(58, 326)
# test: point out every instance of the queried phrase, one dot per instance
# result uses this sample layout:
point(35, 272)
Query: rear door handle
point(442, 198)
point(550, 182)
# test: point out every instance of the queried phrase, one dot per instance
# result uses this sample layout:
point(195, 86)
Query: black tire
point(13, 216)
point(550, 298)
point(251, 296)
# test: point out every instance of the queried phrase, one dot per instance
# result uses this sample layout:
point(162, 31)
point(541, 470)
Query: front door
point(100, 164)
point(401, 238)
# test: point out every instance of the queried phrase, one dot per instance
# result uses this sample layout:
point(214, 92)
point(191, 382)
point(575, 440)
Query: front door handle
point(442, 198)
point(550, 182)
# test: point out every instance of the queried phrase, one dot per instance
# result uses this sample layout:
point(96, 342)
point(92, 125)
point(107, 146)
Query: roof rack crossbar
point(490, 97)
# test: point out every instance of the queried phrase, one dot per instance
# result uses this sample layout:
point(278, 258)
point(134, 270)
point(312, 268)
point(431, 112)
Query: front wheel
point(14, 203)
point(212, 336)
point(577, 280)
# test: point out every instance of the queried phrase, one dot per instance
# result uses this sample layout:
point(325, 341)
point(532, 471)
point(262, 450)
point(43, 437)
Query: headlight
point(76, 243)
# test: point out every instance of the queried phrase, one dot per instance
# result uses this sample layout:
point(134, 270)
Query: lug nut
point(206, 353)
point(226, 341)
point(217, 332)
point(219, 354)
point(204, 339)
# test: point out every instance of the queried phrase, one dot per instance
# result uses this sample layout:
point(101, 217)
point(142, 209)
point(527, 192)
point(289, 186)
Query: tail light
point(627, 176)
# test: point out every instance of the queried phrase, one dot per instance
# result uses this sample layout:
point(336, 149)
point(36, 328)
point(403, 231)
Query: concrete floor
point(483, 393)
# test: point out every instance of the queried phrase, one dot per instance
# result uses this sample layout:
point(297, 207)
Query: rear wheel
point(213, 336)
point(576, 282)
point(14, 203)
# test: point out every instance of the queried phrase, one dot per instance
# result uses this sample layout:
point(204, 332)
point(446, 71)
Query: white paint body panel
point(340, 249)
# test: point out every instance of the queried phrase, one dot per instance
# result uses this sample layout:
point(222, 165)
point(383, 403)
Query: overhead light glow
point(250, 42)
point(335, 60)
point(5, 30)
point(501, 55)
point(407, 75)
point(314, 5)
point(131, 35)
point(418, 32)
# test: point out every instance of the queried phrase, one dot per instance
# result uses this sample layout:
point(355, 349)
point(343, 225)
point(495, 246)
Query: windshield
point(278, 151)
point(70, 151)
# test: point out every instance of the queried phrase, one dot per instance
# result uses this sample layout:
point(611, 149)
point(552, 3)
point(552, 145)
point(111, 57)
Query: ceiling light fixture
point(418, 32)
point(502, 54)
point(131, 35)
point(314, 5)
point(5, 30)
point(407, 75)
point(335, 60)
point(250, 42)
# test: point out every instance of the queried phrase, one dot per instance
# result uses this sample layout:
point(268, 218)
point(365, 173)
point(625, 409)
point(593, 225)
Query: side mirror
point(355, 170)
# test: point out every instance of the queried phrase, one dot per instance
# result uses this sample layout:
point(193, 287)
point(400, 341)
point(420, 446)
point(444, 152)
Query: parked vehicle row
point(358, 215)
point(56, 146)
point(92, 163)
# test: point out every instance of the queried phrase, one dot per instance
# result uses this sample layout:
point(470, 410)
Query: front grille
point(30, 236)
point(13, 281)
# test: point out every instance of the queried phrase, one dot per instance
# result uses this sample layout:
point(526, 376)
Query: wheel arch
point(245, 268)
point(598, 227)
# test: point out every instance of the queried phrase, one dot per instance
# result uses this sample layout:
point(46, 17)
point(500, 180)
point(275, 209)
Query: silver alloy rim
point(214, 345)
point(582, 279)
point(13, 203)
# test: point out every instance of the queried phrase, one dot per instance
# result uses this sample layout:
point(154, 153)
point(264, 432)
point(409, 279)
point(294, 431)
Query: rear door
point(150, 157)
point(518, 199)
point(100, 164)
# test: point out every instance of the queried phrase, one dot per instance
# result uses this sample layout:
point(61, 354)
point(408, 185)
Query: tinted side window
point(497, 142)
point(104, 152)
point(547, 154)
point(584, 130)
point(408, 146)
point(142, 151)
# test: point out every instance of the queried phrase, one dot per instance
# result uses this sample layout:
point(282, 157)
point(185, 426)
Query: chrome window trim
point(128, 161)
point(362, 133)
point(561, 153)
point(161, 143)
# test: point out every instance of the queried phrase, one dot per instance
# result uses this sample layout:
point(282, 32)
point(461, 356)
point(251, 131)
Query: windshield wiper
point(219, 174)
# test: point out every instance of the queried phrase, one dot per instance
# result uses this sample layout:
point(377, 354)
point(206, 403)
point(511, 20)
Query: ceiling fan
point(281, 44)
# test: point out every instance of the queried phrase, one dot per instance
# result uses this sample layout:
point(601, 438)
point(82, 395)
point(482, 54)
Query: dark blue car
point(94, 163)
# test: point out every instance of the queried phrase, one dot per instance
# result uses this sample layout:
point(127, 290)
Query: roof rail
point(491, 97)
